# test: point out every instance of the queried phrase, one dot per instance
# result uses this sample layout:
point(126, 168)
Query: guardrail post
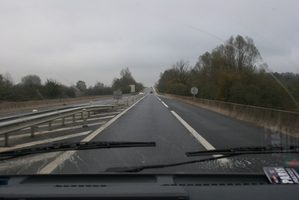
point(50, 125)
point(32, 131)
point(89, 114)
point(6, 140)
point(74, 118)
point(63, 121)
point(84, 116)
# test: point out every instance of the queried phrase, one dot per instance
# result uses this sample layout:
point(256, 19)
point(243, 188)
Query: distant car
point(140, 92)
point(151, 92)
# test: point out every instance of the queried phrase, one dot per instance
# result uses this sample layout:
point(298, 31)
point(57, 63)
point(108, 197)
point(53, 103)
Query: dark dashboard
point(145, 186)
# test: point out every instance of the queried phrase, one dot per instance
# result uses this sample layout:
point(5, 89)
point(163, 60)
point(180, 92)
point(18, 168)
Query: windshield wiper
point(216, 154)
point(140, 168)
point(72, 146)
point(246, 150)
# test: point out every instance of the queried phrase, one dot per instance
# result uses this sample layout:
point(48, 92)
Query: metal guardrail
point(16, 116)
point(8, 127)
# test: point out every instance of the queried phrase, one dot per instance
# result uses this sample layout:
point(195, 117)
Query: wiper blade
point(141, 168)
point(72, 146)
point(246, 150)
point(216, 154)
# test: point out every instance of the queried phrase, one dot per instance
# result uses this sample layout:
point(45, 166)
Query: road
point(176, 128)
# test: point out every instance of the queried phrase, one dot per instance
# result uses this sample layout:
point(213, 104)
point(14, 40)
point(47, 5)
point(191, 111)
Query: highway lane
point(225, 132)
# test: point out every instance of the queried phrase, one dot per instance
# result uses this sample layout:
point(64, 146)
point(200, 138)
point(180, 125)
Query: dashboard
point(145, 186)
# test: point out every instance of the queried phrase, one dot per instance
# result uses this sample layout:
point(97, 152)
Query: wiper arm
point(141, 168)
point(72, 146)
point(246, 150)
point(216, 154)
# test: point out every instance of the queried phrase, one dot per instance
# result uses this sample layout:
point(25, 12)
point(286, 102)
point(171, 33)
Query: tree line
point(31, 88)
point(231, 73)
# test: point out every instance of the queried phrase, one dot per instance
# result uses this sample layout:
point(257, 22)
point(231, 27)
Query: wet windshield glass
point(105, 86)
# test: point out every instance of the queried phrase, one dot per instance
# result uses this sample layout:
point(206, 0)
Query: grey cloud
point(94, 40)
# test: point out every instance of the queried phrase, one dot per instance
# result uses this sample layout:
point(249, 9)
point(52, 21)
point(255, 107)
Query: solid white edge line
point(199, 138)
point(164, 104)
point(158, 98)
point(194, 133)
point(50, 167)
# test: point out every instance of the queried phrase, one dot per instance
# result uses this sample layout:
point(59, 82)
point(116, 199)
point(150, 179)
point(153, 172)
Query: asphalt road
point(147, 121)
point(221, 131)
point(158, 119)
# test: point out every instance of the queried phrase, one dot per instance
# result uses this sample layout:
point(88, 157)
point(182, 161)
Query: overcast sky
point(93, 40)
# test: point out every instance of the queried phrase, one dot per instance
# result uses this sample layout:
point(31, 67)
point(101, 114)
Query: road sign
point(194, 91)
point(132, 88)
point(117, 94)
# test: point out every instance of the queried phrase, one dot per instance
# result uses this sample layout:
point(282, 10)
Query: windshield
point(104, 86)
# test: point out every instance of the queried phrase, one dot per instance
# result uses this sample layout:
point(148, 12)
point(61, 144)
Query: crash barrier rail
point(11, 106)
point(12, 117)
point(286, 122)
point(8, 127)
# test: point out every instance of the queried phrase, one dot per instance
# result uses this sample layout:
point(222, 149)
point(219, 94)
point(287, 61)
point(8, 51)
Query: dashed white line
point(164, 104)
point(66, 155)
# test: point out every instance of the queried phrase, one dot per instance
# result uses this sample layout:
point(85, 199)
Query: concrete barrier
point(276, 120)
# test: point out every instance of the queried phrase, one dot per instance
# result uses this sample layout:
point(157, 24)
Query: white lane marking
point(154, 90)
point(66, 155)
point(29, 144)
point(55, 130)
point(199, 138)
point(164, 104)
point(158, 98)
point(195, 134)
